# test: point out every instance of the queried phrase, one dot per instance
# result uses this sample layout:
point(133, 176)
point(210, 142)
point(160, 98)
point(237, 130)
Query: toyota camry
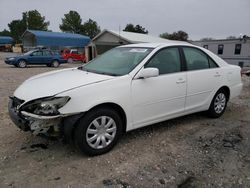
point(126, 88)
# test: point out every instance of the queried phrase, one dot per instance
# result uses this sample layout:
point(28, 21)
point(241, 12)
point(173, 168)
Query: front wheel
point(98, 131)
point(22, 64)
point(218, 104)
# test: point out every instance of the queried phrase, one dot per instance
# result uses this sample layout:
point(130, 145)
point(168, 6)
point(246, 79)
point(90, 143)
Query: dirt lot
point(192, 151)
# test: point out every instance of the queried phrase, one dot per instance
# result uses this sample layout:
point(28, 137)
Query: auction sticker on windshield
point(140, 50)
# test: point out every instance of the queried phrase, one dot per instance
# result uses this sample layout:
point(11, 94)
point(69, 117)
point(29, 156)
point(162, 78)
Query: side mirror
point(148, 73)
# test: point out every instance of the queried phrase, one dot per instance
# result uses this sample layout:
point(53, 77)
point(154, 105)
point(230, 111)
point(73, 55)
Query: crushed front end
point(40, 116)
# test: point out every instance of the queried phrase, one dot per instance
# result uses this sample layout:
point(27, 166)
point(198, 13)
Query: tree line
point(72, 23)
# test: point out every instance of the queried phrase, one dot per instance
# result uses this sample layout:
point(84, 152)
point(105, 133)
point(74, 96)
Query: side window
point(46, 53)
point(37, 53)
point(195, 59)
point(166, 60)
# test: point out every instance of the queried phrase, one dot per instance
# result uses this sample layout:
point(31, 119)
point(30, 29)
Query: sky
point(199, 18)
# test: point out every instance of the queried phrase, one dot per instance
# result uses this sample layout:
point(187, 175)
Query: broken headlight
point(46, 106)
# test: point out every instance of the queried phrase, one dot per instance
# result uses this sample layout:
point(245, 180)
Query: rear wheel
point(55, 63)
point(98, 131)
point(22, 64)
point(218, 104)
point(48, 65)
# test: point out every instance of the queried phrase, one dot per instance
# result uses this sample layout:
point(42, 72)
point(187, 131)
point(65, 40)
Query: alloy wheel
point(219, 103)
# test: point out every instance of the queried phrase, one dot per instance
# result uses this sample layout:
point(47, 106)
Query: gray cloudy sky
point(199, 18)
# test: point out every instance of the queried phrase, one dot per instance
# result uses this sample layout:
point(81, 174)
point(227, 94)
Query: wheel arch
point(69, 123)
point(211, 110)
point(22, 59)
point(55, 59)
point(227, 90)
point(118, 109)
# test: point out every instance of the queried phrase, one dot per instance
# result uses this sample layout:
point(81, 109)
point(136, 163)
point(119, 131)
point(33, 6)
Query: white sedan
point(126, 88)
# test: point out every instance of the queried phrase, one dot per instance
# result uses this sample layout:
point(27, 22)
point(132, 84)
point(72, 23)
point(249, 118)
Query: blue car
point(36, 57)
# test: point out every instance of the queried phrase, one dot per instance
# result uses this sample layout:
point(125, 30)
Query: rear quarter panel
point(231, 74)
point(233, 80)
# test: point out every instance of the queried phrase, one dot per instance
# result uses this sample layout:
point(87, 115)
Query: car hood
point(52, 83)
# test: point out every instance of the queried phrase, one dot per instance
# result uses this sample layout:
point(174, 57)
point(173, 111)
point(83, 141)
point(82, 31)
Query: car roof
point(156, 45)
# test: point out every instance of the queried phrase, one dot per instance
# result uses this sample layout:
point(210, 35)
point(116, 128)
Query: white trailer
point(233, 51)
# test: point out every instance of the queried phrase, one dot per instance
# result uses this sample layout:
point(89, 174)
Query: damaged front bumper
point(31, 122)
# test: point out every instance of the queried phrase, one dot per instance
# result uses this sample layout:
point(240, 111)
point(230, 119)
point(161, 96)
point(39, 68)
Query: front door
point(36, 57)
point(158, 98)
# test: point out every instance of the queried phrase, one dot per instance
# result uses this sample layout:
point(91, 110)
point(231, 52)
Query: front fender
point(68, 125)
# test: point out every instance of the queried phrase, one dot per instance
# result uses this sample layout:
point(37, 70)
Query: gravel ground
point(192, 151)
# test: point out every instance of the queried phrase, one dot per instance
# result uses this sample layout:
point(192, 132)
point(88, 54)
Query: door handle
point(180, 81)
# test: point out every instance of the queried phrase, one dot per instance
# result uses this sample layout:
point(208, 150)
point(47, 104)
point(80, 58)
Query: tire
point(55, 63)
point(98, 131)
point(218, 104)
point(22, 64)
point(48, 65)
point(70, 60)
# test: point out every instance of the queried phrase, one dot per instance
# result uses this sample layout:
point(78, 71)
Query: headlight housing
point(12, 58)
point(45, 106)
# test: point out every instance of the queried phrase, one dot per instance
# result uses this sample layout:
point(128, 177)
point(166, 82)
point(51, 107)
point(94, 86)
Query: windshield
point(118, 61)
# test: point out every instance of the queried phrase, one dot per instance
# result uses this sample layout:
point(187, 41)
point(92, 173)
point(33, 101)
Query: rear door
point(47, 57)
point(204, 77)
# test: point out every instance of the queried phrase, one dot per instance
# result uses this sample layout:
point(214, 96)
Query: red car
point(73, 55)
